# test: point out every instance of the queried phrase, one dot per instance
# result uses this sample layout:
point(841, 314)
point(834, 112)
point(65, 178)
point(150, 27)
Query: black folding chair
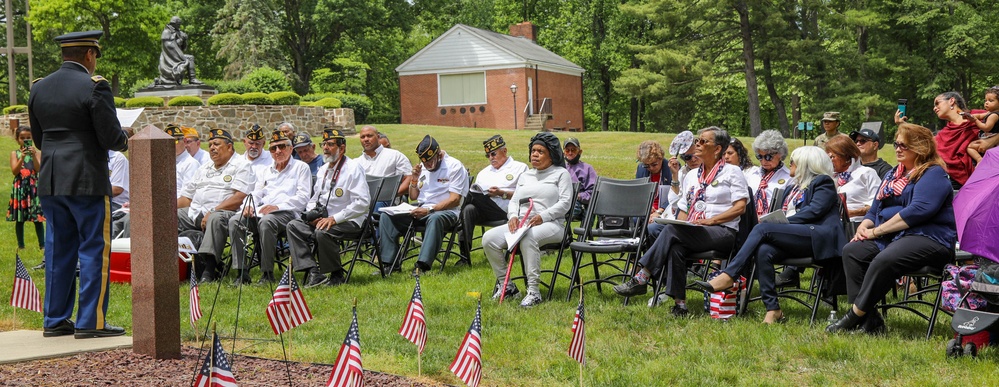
point(380, 189)
point(612, 197)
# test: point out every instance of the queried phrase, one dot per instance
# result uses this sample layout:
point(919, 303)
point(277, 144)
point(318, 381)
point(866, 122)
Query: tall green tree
point(247, 37)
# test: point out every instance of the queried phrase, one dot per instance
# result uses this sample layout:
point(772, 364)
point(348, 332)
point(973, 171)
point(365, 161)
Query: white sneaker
point(532, 298)
point(511, 291)
point(662, 298)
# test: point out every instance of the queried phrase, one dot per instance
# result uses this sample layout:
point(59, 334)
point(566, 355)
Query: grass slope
point(626, 345)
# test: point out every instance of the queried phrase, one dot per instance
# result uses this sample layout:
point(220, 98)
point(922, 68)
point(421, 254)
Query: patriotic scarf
point(894, 183)
point(762, 204)
point(842, 178)
point(699, 196)
point(795, 198)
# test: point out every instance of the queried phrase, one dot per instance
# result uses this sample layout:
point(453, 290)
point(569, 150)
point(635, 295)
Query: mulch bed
point(124, 367)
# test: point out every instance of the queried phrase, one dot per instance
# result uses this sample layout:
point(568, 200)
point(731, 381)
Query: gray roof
point(522, 47)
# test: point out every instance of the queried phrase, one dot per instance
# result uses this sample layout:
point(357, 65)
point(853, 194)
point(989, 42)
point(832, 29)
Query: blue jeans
point(391, 227)
point(770, 243)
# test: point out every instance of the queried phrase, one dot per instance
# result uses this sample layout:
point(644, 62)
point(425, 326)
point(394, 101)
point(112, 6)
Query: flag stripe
point(24, 293)
point(287, 308)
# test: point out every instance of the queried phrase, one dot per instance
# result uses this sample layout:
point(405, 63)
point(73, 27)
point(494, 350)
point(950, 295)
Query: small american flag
point(577, 347)
point(216, 371)
point(348, 370)
point(414, 325)
point(195, 300)
point(467, 364)
point(25, 293)
point(287, 308)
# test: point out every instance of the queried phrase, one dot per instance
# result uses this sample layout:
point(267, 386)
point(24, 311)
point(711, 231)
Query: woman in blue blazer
point(815, 229)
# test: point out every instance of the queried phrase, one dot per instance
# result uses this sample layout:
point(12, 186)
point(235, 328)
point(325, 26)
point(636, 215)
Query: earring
point(951, 107)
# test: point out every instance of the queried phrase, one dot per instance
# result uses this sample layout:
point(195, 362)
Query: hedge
point(185, 100)
point(360, 104)
point(15, 109)
point(144, 102)
point(285, 98)
point(119, 102)
point(384, 118)
point(329, 103)
point(237, 86)
point(225, 99)
point(267, 80)
point(316, 96)
point(257, 99)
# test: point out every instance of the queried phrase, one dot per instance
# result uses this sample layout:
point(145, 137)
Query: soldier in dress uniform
point(74, 121)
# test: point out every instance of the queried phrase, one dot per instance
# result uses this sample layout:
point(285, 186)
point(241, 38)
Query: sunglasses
point(901, 146)
point(652, 165)
point(767, 157)
point(274, 148)
point(491, 154)
point(862, 141)
point(686, 157)
point(702, 141)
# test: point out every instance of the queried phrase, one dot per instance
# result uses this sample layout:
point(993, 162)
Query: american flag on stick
point(467, 364)
point(348, 370)
point(287, 308)
point(195, 300)
point(24, 293)
point(577, 347)
point(216, 371)
point(414, 325)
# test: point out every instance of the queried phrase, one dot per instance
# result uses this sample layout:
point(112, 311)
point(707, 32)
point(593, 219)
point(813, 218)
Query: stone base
point(200, 91)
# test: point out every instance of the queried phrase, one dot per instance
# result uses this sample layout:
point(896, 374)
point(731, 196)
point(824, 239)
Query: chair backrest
point(615, 197)
point(383, 189)
point(747, 220)
point(844, 217)
point(775, 202)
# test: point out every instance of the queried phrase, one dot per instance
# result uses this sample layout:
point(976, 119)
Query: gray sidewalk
point(25, 345)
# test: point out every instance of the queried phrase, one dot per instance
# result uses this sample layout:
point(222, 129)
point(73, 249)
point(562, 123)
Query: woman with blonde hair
point(910, 226)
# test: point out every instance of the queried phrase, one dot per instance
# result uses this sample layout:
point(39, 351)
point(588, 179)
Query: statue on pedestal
point(174, 64)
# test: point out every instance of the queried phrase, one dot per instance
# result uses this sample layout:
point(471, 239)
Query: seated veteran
point(490, 194)
point(910, 225)
point(192, 142)
point(715, 198)
point(581, 173)
point(278, 199)
point(339, 202)
point(771, 150)
point(814, 229)
point(212, 197)
point(381, 161)
point(306, 152)
point(260, 160)
point(439, 182)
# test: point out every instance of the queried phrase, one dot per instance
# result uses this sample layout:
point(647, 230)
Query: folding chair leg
point(574, 275)
point(818, 295)
point(596, 272)
point(555, 271)
point(933, 314)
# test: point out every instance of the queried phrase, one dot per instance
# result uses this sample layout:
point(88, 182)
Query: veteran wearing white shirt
point(440, 182)
point(213, 196)
point(377, 160)
point(490, 196)
point(279, 198)
point(771, 150)
point(341, 189)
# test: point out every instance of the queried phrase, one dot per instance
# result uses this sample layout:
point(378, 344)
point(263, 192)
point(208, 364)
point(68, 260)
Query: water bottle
point(832, 317)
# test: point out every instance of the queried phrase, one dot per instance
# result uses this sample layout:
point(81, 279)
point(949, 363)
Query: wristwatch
point(430, 210)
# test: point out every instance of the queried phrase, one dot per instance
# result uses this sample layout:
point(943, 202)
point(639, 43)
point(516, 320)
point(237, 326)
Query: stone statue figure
point(174, 64)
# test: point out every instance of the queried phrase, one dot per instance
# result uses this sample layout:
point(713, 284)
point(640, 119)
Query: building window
point(461, 89)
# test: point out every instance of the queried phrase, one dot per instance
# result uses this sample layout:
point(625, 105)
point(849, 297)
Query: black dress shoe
point(388, 269)
point(207, 277)
point(788, 278)
point(873, 324)
point(679, 311)
point(849, 322)
point(314, 278)
point(243, 278)
point(705, 286)
point(631, 288)
point(463, 263)
point(108, 331)
point(335, 280)
point(266, 278)
point(66, 327)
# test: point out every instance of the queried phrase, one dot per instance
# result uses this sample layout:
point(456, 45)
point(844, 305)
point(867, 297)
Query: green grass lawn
point(626, 345)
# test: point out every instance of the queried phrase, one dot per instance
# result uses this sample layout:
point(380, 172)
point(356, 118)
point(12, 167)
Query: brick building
point(466, 78)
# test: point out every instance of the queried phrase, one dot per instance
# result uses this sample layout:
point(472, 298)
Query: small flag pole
point(211, 354)
point(419, 356)
point(584, 354)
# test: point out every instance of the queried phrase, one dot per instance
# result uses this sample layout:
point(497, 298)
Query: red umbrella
point(976, 209)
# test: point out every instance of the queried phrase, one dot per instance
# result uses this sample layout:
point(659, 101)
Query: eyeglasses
point(491, 154)
point(686, 157)
point(274, 148)
point(767, 157)
point(702, 141)
point(862, 141)
point(901, 146)
point(653, 165)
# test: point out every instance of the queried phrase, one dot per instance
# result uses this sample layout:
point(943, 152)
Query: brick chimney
point(525, 30)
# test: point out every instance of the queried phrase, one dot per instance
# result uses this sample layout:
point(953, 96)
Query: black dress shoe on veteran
point(108, 331)
point(61, 329)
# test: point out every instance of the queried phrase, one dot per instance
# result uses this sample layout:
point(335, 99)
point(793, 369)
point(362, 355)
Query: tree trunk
point(633, 125)
point(768, 79)
point(752, 89)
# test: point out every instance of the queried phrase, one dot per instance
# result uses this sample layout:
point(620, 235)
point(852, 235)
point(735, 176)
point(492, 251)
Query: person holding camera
point(278, 199)
point(339, 202)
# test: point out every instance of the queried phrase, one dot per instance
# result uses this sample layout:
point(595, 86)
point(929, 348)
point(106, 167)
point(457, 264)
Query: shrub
point(359, 103)
point(237, 86)
point(329, 103)
point(325, 81)
point(384, 118)
point(15, 109)
point(185, 100)
point(306, 103)
point(119, 102)
point(257, 99)
point(285, 98)
point(267, 80)
point(225, 99)
point(138, 84)
point(148, 101)
point(316, 96)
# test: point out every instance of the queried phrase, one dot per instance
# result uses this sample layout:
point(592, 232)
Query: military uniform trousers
point(79, 232)
point(266, 232)
point(302, 236)
point(216, 230)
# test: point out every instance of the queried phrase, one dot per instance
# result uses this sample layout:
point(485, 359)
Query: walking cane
point(513, 249)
